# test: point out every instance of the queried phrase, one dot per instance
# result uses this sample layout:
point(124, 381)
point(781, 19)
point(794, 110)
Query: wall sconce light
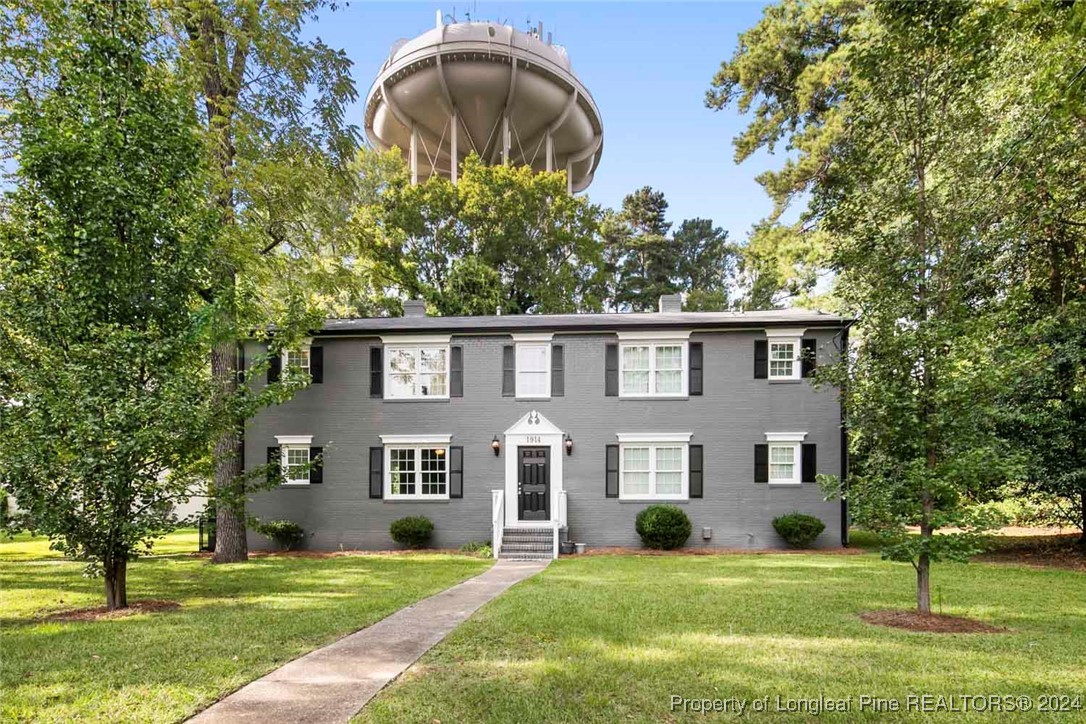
point(496, 446)
point(569, 445)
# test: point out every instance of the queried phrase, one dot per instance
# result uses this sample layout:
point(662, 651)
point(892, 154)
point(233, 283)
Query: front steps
point(527, 544)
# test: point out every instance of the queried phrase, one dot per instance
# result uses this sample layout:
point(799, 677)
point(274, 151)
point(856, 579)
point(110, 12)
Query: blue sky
point(648, 66)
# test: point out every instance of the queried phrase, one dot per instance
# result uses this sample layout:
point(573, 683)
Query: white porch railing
point(497, 520)
point(562, 509)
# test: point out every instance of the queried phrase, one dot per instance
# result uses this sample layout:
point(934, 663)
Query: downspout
point(844, 440)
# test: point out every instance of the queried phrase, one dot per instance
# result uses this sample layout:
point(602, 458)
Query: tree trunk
point(1082, 519)
point(923, 584)
point(230, 543)
point(116, 573)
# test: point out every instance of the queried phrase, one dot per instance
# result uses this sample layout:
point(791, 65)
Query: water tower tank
point(509, 96)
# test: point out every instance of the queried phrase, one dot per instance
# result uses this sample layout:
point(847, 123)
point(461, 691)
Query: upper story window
point(653, 368)
point(783, 359)
point(417, 470)
point(654, 467)
point(533, 361)
point(781, 355)
point(297, 358)
point(417, 371)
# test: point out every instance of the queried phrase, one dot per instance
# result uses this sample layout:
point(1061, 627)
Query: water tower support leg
point(505, 140)
point(414, 154)
point(569, 177)
point(454, 157)
point(550, 151)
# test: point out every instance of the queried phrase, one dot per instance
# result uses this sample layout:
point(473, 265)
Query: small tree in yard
point(103, 247)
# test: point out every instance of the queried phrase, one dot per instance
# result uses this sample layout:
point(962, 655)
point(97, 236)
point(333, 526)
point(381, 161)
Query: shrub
point(413, 531)
point(663, 526)
point(284, 533)
point(477, 548)
point(798, 529)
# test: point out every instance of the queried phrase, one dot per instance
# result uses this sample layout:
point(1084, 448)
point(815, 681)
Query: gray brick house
point(514, 428)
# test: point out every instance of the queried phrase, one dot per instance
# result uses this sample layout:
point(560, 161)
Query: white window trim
point(518, 343)
point(796, 364)
point(653, 441)
point(652, 344)
point(306, 345)
point(415, 343)
point(674, 335)
point(793, 440)
point(293, 442)
point(416, 443)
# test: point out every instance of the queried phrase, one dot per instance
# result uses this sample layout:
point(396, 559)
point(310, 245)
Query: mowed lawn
point(610, 638)
point(236, 623)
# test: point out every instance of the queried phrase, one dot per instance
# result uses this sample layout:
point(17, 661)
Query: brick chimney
point(671, 303)
point(414, 308)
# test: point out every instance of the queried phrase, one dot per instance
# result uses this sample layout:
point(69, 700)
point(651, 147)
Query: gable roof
point(613, 321)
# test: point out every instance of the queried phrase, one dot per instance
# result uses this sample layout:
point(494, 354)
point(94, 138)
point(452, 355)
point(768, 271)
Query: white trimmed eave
point(785, 436)
point(785, 332)
point(659, 335)
point(654, 436)
point(416, 439)
point(294, 439)
point(533, 336)
point(407, 340)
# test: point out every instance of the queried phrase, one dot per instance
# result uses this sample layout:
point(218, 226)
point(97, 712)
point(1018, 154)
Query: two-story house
point(513, 428)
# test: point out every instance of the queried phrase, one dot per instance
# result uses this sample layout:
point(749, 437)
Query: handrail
point(497, 520)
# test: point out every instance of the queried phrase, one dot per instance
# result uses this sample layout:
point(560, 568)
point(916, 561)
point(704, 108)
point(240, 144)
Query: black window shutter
point(377, 373)
point(456, 372)
point(275, 366)
point(761, 359)
point(610, 386)
point(241, 364)
point(509, 371)
point(316, 466)
point(612, 471)
point(377, 477)
point(316, 364)
point(275, 476)
point(810, 463)
point(808, 356)
point(697, 377)
point(697, 471)
point(558, 371)
point(761, 463)
point(456, 472)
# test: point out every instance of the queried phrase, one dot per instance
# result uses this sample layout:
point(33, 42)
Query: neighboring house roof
point(584, 322)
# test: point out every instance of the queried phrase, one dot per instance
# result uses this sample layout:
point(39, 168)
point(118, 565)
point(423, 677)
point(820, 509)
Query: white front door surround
point(536, 431)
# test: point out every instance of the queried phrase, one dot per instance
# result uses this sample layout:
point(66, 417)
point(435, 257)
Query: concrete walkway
point(334, 683)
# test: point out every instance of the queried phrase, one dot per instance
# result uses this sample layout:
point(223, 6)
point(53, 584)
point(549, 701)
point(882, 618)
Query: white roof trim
point(785, 436)
point(792, 332)
point(533, 336)
point(663, 335)
point(416, 439)
point(294, 439)
point(532, 423)
point(406, 340)
point(654, 436)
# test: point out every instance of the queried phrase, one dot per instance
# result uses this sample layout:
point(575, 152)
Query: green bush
point(663, 526)
point(477, 548)
point(798, 529)
point(413, 531)
point(284, 533)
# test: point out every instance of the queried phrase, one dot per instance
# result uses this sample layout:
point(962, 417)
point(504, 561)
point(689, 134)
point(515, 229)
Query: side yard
point(235, 624)
point(612, 638)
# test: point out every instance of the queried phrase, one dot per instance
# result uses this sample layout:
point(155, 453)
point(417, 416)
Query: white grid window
point(653, 369)
point(782, 361)
point(417, 372)
point(652, 471)
point(295, 465)
point(784, 463)
point(417, 472)
point(533, 370)
point(297, 358)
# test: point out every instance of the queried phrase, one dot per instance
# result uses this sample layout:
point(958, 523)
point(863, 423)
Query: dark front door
point(533, 484)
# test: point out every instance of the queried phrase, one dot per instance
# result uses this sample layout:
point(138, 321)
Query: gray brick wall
point(728, 420)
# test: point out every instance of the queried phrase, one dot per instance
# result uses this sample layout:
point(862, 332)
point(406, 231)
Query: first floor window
point(418, 372)
point(417, 472)
point(782, 360)
point(295, 465)
point(653, 369)
point(297, 358)
point(783, 463)
point(653, 471)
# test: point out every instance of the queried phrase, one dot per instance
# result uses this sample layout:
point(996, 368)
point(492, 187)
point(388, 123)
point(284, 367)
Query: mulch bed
point(100, 613)
point(931, 623)
point(623, 551)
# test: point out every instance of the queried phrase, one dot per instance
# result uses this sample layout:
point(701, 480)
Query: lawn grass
point(25, 547)
point(236, 623)
point(611, 638)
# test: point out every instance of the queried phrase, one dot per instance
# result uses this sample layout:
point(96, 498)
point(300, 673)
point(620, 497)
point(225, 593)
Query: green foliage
point(480, 549)
point(663, 527)
point(284, 533)
point(798, 529)
point(413, 531)
point(103, 256)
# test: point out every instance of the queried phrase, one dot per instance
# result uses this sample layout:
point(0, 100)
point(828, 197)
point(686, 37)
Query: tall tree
point(273, 108)
point(881, 105)
point(103, 249)
point(707, 265)
point(644, 261)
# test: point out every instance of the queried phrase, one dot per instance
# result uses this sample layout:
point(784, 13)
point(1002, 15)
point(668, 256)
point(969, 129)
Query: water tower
point(511, 97)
